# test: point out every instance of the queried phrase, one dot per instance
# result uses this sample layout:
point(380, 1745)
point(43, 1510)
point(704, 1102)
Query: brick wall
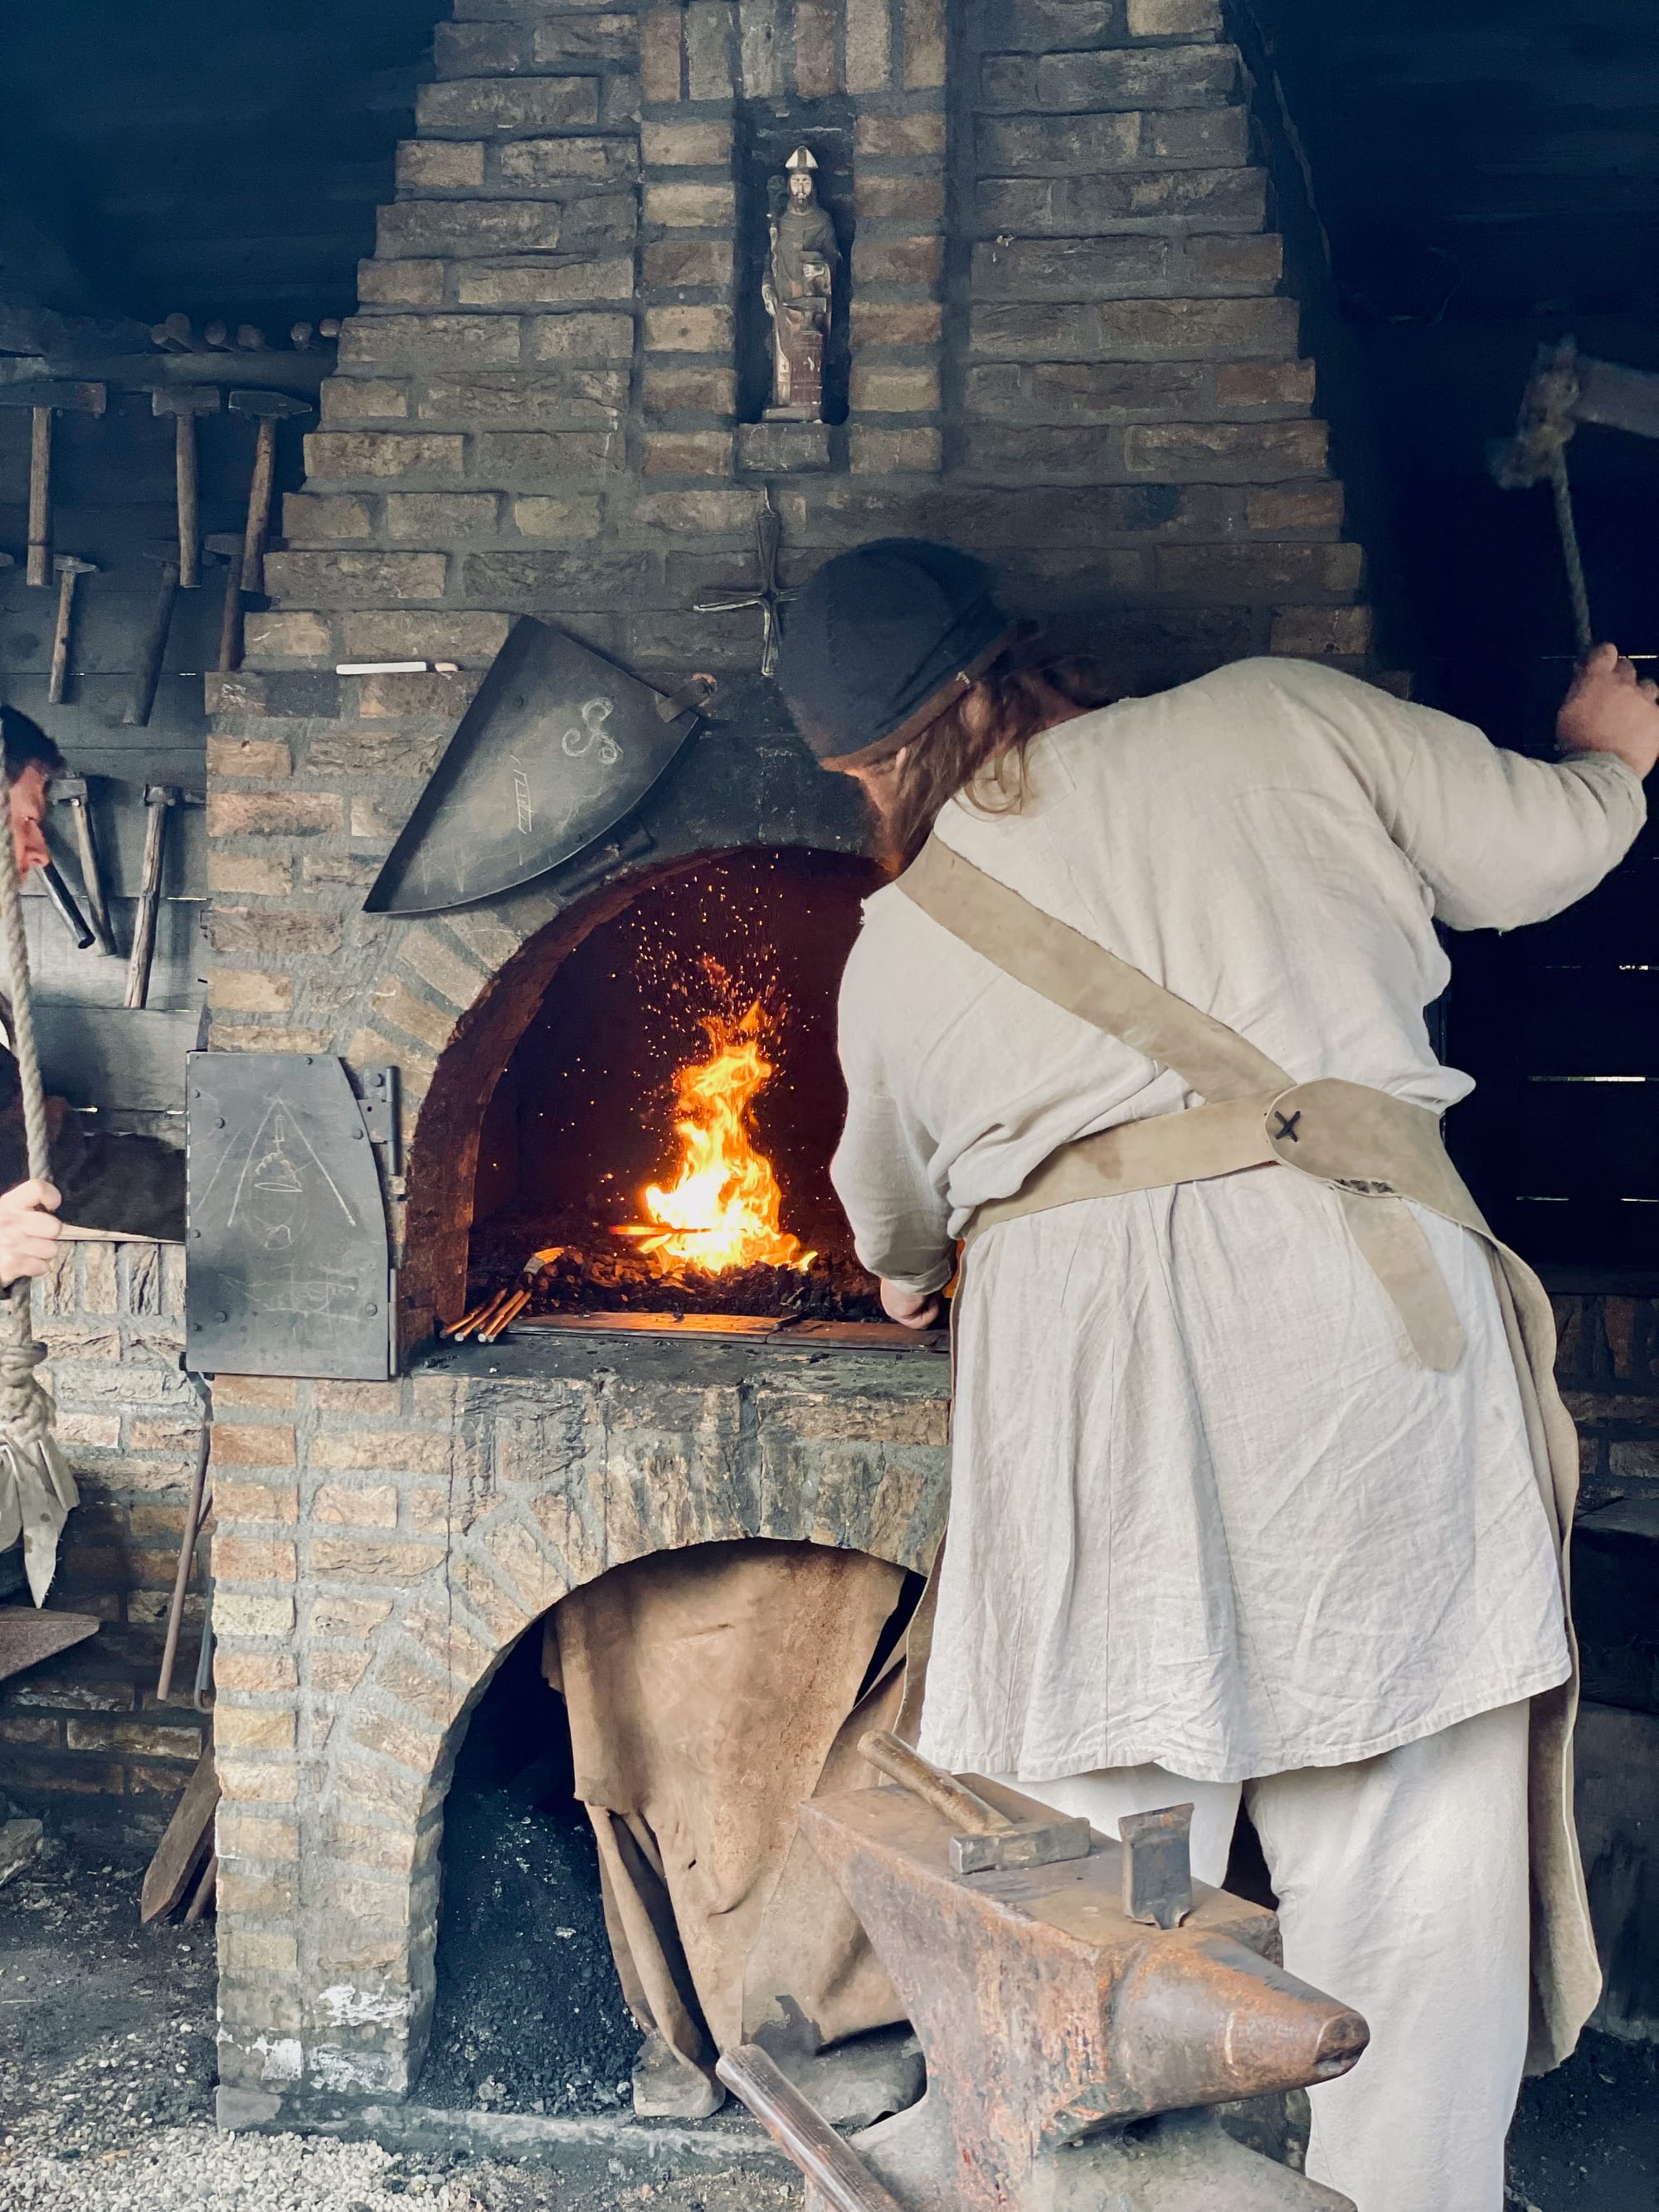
point(1608, 1371)
point(88, 1748)
point(383, 1545)
point(1069, 347)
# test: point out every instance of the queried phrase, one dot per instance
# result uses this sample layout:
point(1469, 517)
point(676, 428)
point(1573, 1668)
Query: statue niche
point(798, 288)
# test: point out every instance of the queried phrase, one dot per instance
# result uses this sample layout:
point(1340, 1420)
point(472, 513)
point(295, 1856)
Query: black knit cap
point(881, 641)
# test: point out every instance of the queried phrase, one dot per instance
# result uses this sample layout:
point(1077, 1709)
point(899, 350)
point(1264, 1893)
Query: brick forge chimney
point(1070, 349)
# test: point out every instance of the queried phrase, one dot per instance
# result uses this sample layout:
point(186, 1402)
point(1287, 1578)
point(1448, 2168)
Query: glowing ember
point(724, 1208)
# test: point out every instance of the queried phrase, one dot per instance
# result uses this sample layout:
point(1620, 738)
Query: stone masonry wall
point(1067, 347)
point(383, 1545)
point(83, 1742)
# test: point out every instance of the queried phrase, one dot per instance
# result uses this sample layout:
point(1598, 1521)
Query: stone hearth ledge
point(381, 1547)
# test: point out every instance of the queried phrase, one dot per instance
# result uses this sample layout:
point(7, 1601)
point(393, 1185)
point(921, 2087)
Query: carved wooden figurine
point(798, 290)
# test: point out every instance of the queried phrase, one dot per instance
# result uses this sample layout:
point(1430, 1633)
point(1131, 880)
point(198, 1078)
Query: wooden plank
point(187, 1842)
point(27, 1637)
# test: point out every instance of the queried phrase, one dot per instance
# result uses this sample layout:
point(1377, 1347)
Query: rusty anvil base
point(1068, 2044)
point(1178, 2162)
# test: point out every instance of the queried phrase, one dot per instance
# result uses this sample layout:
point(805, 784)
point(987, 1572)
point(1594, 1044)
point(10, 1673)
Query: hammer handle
point(258, 506)
point(40, 559)
point(63, 899)
point(149, 899)
point(230, 616)
point(57, 682)
point(91, 876)
point(967, 1812)
point(841, 2178)
point(184, 463)
point(150, 657)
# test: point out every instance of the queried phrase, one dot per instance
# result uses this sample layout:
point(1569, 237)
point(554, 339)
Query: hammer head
point(271, 406)
point(67, 398)
point(1547, 419)
point(223, 545)
point(71, 564)
point(184, 400)
point(70, 787)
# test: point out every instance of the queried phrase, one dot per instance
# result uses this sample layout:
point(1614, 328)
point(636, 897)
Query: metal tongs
point(498, 1313)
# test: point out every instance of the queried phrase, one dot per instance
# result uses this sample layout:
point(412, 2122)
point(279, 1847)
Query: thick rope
point(41, 1488)
point(1570, 553)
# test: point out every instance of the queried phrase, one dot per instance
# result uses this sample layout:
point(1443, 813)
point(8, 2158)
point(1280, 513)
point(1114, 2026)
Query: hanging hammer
point(160, 799)
point(44, 400)
point(268, 409)
point(184, 403)
point(153, 651)
point(225, 545)
point(70, 568)
point(71, 791)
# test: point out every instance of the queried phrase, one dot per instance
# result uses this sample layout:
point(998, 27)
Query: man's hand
point(29, 1231)
point(906, 1308)
point(1610, 710)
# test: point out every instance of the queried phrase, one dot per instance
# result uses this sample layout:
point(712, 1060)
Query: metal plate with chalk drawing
point(556, 747)
point(287, 1265)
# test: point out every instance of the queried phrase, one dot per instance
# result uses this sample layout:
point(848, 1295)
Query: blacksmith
point(1260, 1478)
point(133, 1185)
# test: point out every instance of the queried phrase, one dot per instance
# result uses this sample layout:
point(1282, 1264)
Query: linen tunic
point(1207, 1509)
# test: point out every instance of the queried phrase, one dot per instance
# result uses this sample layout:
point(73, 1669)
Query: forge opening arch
point(775, 921)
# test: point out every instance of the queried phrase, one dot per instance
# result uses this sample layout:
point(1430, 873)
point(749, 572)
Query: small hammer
point(986, 1839)
point(160, 799)
point(70, 567)
point(153, 651)
point(268, 409)
point(184, 403)
point(45, 400)
point(71, 791)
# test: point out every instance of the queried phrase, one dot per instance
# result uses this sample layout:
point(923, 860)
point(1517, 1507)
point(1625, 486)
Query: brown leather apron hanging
point(1381, 1156)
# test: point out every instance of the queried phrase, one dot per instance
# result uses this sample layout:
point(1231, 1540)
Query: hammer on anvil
point(1054, 2002)
point(71, 791)
point(267, 408)
point(184, 403)
point(70, 568)
point(45, 400)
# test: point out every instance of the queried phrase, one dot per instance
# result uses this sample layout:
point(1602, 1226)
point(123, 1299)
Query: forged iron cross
point(769, 596)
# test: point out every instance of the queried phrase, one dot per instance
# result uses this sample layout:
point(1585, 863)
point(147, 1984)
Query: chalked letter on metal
point(287, 1268)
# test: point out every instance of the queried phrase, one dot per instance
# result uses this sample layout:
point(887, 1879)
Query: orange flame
point(724, 1208)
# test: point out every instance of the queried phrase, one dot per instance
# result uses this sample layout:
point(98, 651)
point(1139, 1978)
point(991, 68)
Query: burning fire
point(724, 1209)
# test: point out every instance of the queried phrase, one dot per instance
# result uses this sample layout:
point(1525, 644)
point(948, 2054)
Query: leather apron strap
point(1376, 1151)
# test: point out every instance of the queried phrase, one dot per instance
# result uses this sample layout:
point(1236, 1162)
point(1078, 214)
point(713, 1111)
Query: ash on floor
point(530, 2016)
point(106, 2072)
point(106, 2027)
point(1586, 2138)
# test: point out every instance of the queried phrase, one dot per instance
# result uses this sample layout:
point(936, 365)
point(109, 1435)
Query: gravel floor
point(106, 2078)
point(107, 2074)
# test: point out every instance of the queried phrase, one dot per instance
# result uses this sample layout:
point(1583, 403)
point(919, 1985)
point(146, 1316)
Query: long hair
point(977, 747)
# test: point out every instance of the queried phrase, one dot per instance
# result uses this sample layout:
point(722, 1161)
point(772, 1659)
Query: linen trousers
point(1404, 1890)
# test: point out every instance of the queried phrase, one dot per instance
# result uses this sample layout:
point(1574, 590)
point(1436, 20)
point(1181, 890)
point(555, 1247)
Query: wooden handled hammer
point(184, 402)
point(160, 800)
point(71, 791)
point(153, 651)
point(70, 568)
point(267, 408)
point(45, 400)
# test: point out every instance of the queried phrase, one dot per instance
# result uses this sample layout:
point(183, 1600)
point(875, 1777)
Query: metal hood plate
point(558, 745)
